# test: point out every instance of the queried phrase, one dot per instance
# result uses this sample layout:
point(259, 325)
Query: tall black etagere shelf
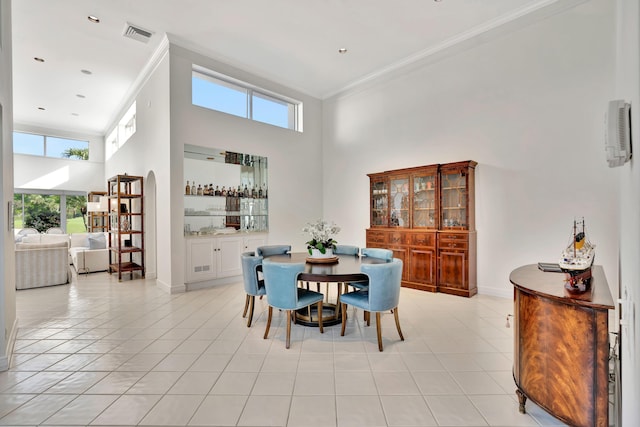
point(126, 225)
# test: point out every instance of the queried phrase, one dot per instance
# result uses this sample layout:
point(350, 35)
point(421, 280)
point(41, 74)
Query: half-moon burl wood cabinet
point(561, 346)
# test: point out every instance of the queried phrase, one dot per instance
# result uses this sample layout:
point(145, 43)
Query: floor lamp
point(92, 208)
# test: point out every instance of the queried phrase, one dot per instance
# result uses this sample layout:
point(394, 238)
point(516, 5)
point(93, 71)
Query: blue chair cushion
point(306, 298)
point(359, 285)
point(358, 299)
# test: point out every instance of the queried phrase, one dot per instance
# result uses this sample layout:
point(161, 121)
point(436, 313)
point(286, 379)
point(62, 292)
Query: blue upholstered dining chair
point(253, 286)
point(281, 281)
point(386, 254)
point(349, 250)
point(346, 250)
point(265, 251)
point(382, 294)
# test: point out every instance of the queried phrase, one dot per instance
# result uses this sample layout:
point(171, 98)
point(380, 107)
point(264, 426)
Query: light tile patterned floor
point(100, 352)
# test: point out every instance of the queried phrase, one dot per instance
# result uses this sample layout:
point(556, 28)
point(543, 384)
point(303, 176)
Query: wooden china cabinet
point(426, 216)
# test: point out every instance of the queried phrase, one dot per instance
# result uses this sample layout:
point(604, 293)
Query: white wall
point(295, 159)
point(146, 152)
point(7, 257)
point(628, 88)
point(528, 106)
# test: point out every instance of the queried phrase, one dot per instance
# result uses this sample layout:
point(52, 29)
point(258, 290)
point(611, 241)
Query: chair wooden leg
point(320, 317)
point(266, 331)
point(367, 317)
point(344, 318)
point(251, 304)
point(288, 328)
point(395, 314)
point(246, 305)
point(379, 329)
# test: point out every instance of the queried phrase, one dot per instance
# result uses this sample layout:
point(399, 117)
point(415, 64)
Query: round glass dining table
point(345, 269)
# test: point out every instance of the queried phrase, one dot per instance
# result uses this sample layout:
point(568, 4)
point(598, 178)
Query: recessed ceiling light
point(38, 59)
point(93, 19)
point(79, 95)
point(75, 114)
point(41, 108)
point(87, 72)
point(342, 50)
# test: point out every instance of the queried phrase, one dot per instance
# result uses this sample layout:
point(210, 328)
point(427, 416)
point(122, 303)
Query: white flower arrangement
point(321, 233)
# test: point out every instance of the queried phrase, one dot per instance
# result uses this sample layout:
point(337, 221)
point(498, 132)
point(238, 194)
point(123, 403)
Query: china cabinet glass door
point(379, 203)
point(399, 192)
point(425, 214)
point(454, 200)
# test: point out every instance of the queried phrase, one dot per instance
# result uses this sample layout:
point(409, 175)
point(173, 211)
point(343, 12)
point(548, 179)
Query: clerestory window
point(222, 93)
point(50, 146)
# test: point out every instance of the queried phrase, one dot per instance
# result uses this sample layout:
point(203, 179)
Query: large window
point(50, 146)
point(222, 93)
point(43, 211)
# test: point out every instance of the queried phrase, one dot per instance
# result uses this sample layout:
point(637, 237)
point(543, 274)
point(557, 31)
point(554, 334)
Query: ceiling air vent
point(137, 33)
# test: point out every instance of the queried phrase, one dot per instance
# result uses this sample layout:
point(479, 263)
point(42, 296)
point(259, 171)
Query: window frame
point(122, 132)
point(295, 107)
point(44, 145)
point(62, 204)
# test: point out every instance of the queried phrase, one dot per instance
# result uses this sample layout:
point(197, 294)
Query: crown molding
point(512, 21)
point(142, 78)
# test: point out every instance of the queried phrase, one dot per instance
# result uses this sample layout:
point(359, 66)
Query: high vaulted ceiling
point(293, 42)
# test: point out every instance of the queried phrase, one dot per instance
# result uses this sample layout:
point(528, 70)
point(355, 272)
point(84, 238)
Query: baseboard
point(171, 289)
point(212, 283)
point(495, 292)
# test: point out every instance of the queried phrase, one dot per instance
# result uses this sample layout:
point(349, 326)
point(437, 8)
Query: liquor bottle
point(260, 193)
point(199, 193)
point(212, 192)
point(193, 188)
point(205, 190)
point(240, 193)
point(217, 192)
point(187, 189)
point(223, 193)
point(246, 191)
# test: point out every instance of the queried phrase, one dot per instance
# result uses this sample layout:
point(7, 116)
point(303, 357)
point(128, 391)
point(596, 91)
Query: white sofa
point(44, 238)
point(88, 252)
point(41, 264)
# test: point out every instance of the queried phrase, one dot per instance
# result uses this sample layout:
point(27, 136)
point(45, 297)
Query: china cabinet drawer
point(376, 238)
point(423, 239)
point(454, 245)
point(397, 238)
point(453, 237)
